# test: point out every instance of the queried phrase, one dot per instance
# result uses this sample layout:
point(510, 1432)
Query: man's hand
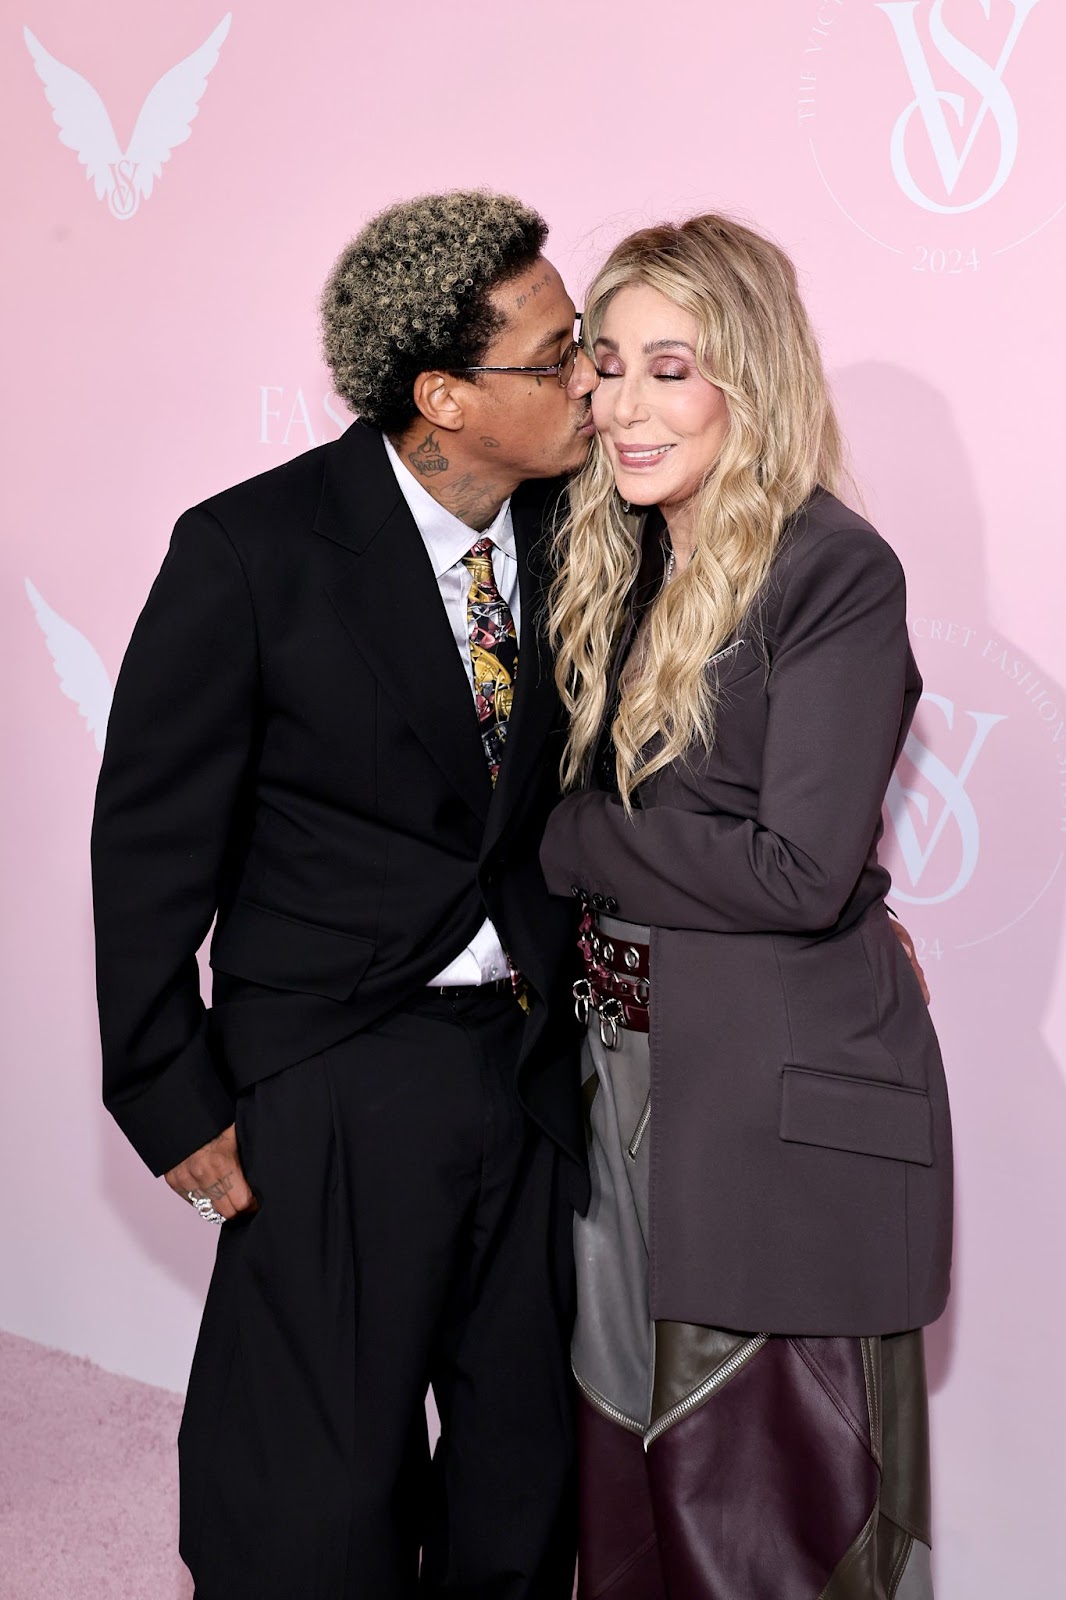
point(912, 955)
point(215, 1173)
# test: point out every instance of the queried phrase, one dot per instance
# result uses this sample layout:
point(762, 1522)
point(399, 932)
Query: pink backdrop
point(161, 342)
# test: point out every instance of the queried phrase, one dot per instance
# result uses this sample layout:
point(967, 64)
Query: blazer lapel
point(536, 701)
point(383, 589)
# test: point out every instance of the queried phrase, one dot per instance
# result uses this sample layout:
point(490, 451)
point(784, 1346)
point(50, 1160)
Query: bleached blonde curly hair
point(756, 343)
point(410, 294)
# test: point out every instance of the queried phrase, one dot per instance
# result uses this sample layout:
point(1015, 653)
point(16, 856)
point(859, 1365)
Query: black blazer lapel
point(536, 701)
point(383, 589)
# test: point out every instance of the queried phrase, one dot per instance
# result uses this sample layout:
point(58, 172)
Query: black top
point(655, 551)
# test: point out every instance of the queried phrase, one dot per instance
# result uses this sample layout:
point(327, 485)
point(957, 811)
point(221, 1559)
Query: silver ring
point(202, 1204)
point(612, 1015)
point(583, 1000)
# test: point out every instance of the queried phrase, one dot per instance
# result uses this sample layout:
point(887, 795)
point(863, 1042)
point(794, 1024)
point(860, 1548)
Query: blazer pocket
point(282, 952)
point(863, 1115)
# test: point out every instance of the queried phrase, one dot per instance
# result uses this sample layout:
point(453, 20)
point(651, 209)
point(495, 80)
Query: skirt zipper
point(640, 1130)
point(717, 1378)
point(607, 1409)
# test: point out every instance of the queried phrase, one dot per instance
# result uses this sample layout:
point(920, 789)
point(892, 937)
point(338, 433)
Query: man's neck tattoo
point(471, 499)
point(472, 502)
point(428, 458)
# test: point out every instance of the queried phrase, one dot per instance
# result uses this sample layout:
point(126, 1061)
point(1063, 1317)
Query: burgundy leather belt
point(616, 984)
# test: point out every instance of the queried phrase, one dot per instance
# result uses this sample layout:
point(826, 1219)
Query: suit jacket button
point(598, 902)
point(610, 903)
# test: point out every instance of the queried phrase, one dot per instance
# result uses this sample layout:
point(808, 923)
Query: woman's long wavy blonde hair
point(756, 343)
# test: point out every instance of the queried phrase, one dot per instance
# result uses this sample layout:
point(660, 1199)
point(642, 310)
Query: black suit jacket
point(293, 747)
point(801, 1161)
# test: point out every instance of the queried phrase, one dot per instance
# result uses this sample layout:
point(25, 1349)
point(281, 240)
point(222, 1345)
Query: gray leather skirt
point(719, 1463)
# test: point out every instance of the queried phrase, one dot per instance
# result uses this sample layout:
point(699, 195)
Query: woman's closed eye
point(664, 376)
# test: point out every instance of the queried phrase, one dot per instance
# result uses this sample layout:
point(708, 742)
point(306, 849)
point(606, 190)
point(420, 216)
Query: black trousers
point(414, 1228)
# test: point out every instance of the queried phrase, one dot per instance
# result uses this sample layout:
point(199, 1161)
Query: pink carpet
point(88, 1481)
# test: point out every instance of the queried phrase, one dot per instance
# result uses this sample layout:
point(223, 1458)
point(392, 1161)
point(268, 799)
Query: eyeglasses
point(563, 369)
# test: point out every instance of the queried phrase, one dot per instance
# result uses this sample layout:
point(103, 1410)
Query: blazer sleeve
point(178, 746)
point(836, 693)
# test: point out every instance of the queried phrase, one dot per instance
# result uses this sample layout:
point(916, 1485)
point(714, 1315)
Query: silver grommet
point(611, 1014)
point(631, 958)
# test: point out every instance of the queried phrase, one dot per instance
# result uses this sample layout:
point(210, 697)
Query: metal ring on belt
point(616, 984)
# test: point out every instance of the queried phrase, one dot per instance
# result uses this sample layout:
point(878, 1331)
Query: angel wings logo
point(82, 675)
point(126, 177)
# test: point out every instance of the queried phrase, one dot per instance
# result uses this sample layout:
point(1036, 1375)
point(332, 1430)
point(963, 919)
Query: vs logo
point(127, 176)
point(967, 114)
point(975, 812)
point(955, 806)
point(929, 123)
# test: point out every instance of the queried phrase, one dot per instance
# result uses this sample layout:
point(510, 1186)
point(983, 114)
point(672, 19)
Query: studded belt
point(616, 984)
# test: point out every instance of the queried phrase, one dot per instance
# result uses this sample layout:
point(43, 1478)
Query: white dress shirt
point(447, 541)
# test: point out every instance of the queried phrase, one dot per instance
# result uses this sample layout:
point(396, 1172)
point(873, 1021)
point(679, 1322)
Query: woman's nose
point(630, 405)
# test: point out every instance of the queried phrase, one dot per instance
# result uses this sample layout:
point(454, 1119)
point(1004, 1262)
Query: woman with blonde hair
point(770, 1225)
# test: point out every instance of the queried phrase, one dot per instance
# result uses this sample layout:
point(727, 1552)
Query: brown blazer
point(801, 1176)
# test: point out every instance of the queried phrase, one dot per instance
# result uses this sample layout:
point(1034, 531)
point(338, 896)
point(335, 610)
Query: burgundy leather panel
point(838, 1363)
point(761, 1490)
point(617, 1551)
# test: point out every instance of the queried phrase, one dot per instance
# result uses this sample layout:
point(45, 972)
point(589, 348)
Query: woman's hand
point(912, 955)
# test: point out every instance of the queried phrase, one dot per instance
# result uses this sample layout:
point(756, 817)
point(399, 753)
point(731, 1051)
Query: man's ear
point(439, 398)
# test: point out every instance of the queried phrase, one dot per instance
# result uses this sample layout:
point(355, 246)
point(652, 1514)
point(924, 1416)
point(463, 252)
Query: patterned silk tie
point(493, 652)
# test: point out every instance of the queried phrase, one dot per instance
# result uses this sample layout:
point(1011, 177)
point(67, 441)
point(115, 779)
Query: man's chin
point(569, 459)
point(578, 455)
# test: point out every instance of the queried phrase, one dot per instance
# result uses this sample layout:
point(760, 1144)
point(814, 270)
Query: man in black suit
point(336, 733)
